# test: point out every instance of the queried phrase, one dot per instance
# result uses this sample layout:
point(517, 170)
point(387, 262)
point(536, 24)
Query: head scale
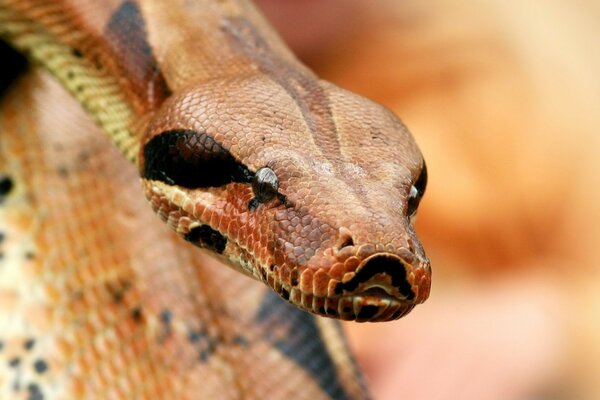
point(315, 197)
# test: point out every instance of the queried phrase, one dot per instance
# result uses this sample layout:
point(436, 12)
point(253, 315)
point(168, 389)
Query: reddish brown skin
point(334, 193)
point(337, 238)
point(322, 143)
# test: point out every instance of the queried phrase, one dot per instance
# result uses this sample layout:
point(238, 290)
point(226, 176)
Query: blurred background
point(503, 97)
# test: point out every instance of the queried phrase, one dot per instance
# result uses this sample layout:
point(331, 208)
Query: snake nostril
point(345, 238)
point(347, 242)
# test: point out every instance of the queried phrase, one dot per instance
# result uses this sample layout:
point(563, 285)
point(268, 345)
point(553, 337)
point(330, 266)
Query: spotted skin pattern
point(245, 154)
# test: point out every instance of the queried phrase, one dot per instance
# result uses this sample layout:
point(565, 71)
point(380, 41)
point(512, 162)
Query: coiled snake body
point(243, 152)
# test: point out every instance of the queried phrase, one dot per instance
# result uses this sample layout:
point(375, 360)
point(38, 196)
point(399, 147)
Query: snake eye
point(416, 192)
point(265, 185)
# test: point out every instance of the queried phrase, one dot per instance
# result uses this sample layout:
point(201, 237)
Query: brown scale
point(126, 295)
point(126, 309)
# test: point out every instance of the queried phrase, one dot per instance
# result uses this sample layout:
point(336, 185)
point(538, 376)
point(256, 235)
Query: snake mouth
point(376, 292)
point(372, 305)
point(380, 276)
point(380, 289)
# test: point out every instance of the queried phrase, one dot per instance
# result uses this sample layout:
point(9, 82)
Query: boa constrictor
point(243, 152)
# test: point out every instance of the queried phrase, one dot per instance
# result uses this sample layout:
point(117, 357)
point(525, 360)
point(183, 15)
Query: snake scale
point(244, 153)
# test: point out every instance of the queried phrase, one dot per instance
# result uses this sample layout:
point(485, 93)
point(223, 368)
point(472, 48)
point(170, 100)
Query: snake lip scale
point(370, 293)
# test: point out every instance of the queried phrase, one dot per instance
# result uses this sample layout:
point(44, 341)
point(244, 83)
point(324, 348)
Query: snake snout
point(381, 289)
point(382, 273)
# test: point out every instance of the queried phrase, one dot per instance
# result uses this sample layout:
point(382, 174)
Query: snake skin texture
point(244, 153)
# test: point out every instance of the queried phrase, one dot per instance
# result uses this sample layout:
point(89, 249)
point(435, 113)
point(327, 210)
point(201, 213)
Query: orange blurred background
point(504, 99)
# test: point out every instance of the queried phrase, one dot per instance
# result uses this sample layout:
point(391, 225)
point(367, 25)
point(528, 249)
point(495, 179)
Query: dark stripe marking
point(207, 238)
point(302, 87)
point(192, 160)
point(301, 333)
point(127, 37)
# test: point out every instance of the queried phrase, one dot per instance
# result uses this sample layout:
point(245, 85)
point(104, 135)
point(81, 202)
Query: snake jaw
point(385, 286)
point(347, 279)
point(363, 307)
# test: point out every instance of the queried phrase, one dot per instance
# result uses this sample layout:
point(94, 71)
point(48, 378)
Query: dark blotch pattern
point(207, 238)
point(241, 341)
point(136, 314)
point(19, 365)
point(204, 344)
point(126, 36)
point(40, 366)
point(34, 392)
point(166, 318)
point(77, 53)
point(301, 333)
point(13, 64)
point(118, 289)
point(6, 186)
point(192, 160)
point(29, 343)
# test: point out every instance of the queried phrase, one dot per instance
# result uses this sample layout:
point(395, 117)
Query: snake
point(115, 112)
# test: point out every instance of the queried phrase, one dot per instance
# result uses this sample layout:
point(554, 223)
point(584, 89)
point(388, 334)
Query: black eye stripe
point(192, 160)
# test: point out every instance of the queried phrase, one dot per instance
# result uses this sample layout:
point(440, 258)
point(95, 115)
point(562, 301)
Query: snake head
point(302, 185)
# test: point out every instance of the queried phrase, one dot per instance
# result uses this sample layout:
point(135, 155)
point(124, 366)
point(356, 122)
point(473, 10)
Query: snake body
point(243, 152)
